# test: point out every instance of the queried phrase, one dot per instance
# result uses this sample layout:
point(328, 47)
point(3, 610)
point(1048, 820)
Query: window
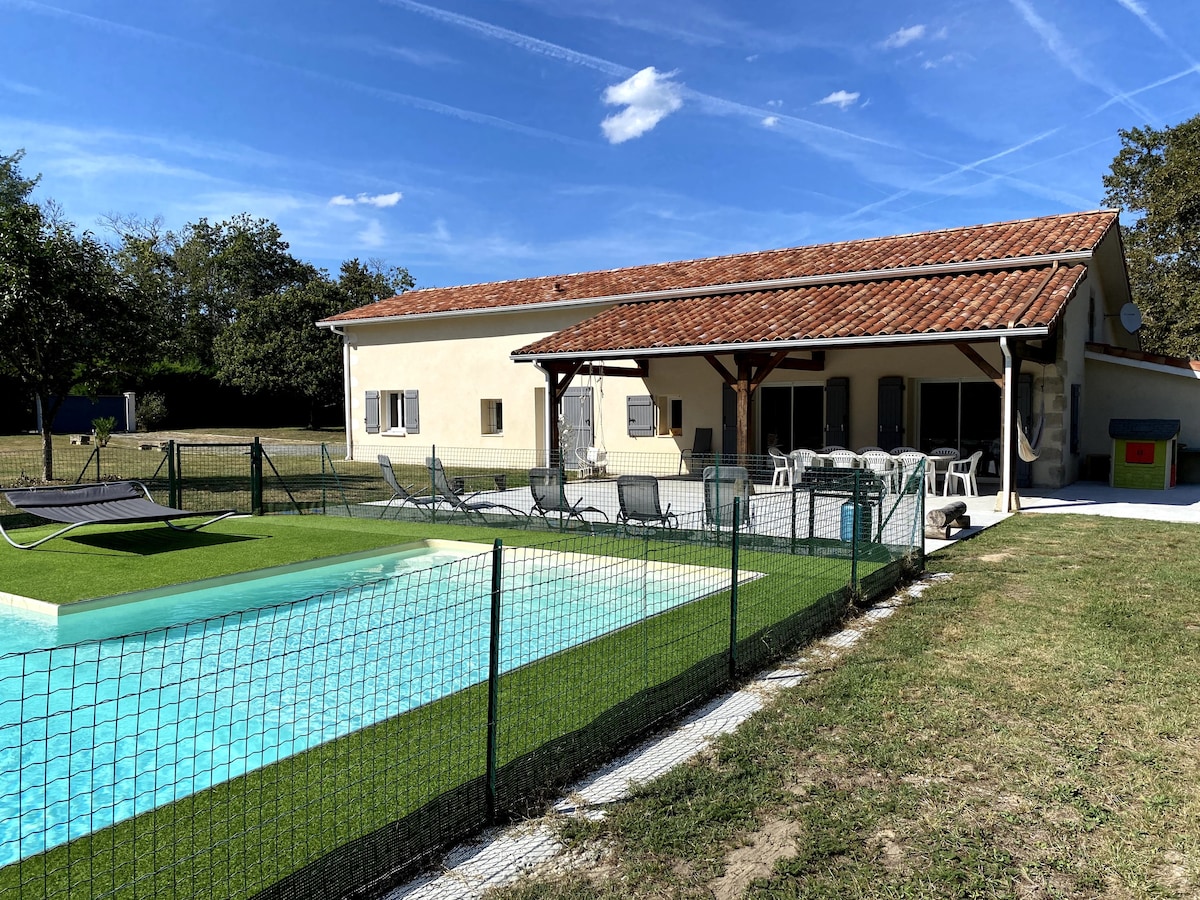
point(393, 412)
point(491, 416)
point(669, 412)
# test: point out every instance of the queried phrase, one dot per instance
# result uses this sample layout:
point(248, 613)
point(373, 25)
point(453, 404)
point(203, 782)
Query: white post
point(130, 411)
point(1004, 501)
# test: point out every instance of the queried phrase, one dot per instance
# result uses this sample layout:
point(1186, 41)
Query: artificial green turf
point(104, 560)
point(236, 838)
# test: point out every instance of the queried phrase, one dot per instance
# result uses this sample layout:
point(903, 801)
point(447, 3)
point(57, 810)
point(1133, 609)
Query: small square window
point(670, 415)
point(491, 416)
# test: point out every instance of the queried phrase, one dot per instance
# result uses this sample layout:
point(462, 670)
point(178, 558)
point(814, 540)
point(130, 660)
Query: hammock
point(1028, 449)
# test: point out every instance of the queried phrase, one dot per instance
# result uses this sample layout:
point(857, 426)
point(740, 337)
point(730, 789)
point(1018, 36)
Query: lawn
point(560, 714)
point(98, 561)
point(1028, 728)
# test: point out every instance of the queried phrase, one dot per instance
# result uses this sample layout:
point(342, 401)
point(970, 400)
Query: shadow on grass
point(148, 542)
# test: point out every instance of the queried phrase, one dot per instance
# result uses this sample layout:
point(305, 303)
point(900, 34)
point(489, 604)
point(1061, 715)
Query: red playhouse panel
point(1140, 452)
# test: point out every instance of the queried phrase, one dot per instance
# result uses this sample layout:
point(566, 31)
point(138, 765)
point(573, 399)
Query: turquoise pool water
point(93, 733)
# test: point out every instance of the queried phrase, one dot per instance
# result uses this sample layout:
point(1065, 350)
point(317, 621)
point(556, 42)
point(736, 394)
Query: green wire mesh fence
point(330, 740)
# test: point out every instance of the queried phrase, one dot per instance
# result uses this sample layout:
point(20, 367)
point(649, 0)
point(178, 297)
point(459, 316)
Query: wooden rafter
point(766, 369)
point(982, 364)
point(639, 369)
point(721, 370)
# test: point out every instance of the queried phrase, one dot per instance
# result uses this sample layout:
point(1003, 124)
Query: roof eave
point(1029, 333)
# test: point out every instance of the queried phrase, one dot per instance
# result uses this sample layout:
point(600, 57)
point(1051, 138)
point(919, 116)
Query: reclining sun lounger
point(110, 503)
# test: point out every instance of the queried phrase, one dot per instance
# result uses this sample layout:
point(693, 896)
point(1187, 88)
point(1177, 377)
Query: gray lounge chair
point(550, 496)
point(403, 493)
point(638, 496)
point(722, 484)
point(446, 494)
point(109, 503)
point(702, 444)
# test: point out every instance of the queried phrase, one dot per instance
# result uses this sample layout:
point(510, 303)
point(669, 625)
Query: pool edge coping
point(57, 610)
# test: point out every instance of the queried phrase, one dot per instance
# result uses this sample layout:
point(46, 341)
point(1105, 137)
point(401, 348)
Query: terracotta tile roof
point(1177, 362)
point(979, 243)
point(871, 309)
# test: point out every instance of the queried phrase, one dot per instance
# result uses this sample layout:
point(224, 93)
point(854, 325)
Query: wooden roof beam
point(980, 363)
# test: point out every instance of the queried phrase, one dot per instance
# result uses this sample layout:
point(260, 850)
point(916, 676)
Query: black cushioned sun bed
point(110, 503)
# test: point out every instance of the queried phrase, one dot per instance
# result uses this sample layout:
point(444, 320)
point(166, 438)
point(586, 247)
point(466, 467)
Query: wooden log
point(940, 518)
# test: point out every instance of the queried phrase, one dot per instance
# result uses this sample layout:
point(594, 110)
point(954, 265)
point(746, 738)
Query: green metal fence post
point(256, 479)
point(494, 679)
point(97, 463)
point(792, 547)
point(432, 487)
point(854, 532)
point(323, 452)
point(733, 588)
point(172, 475)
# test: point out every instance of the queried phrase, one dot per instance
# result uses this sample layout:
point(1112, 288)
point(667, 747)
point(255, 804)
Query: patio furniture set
point(893, 468)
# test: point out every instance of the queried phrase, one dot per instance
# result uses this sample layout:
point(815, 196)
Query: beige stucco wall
point(1121, 389)
point(454, 363)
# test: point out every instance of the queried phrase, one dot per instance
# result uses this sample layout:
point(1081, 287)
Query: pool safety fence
point(334, 745)
point(267, 477)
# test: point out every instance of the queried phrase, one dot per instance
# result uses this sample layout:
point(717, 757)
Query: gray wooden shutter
point(891, 412)
point(372, 412)
point(412, 413)
point(640, 410)
point(837, 412)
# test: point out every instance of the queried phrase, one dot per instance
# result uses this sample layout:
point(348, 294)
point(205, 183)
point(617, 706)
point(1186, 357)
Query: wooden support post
point(743, 390)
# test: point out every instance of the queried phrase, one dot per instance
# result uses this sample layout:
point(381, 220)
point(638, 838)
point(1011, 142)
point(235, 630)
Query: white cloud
point(904, 37)
point(380, 201)
point(771, 121)
point(372, 236)
point(18, 87)
point(841, 99)
point(775, 103)
point(648, 97)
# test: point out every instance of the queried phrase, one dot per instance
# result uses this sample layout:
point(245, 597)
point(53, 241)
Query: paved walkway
point(1092, 498)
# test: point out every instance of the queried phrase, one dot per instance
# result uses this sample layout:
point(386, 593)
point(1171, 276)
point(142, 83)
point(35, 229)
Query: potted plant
point(102, 428)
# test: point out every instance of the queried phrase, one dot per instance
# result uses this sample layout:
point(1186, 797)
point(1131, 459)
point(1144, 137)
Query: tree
point(1156, 178)
point(372, 281)
point(273, 346)
point(68, 320)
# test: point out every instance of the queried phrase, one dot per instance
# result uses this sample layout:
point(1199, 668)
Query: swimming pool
point(93, 733)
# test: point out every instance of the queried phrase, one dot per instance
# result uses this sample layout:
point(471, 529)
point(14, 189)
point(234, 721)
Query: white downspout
point(1004, 501)
point(349, 393)
point(548, 424)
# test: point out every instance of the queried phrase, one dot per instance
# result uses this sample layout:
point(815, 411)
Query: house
point(942, 338)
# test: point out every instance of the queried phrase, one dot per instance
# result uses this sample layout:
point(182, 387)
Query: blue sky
point(474, 141)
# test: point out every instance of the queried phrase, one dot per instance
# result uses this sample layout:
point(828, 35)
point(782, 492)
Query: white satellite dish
point(1131, 317)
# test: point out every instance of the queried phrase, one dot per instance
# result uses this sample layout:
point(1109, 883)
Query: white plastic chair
point(783, 471)
point(801, 460)
point(939, 461)
point(882, 464)
point(909, 462)
point(964, 471)
point(846, 459)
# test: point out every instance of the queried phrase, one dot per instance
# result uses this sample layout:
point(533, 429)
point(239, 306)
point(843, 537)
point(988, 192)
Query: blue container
point(864, 521)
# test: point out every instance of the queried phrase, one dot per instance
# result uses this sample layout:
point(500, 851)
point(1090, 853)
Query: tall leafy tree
point(274, 347)
point(1156, 178)
point(66, 317)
